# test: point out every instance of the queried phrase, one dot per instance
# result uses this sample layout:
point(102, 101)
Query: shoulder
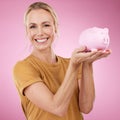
point(23, 65)
point(21, 62)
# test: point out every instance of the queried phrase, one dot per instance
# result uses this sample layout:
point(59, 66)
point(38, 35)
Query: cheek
point(30, 34)
point(51, 30)
point(52, 33)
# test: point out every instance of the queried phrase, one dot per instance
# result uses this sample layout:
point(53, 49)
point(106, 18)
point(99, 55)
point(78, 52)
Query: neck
point(46, 55)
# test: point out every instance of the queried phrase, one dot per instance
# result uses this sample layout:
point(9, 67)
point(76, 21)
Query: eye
point(47, 25)
point(32, 26)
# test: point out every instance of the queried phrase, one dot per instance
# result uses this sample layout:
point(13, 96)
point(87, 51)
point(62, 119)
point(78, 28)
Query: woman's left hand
point(98, 55)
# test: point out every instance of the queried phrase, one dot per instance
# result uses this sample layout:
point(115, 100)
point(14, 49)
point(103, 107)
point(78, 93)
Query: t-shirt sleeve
point(24, 74)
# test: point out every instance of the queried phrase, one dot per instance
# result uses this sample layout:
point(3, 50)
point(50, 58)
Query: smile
point(41, 40)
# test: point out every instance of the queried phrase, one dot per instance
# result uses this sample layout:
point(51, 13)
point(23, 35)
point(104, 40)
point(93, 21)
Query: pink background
point(74, 16)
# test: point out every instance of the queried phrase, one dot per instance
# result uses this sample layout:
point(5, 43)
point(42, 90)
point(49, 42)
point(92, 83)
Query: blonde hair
point(44, 6)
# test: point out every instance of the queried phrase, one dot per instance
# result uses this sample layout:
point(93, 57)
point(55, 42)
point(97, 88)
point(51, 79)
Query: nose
point(39, 31)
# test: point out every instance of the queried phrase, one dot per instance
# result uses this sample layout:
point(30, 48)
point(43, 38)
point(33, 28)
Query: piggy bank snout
point(106, 36)
point(106, 41)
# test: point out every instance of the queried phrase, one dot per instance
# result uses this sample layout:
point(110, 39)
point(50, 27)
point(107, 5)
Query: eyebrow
point(42, 23)
point(31, 24)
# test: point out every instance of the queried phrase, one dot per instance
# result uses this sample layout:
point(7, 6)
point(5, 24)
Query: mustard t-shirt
point(28, 71)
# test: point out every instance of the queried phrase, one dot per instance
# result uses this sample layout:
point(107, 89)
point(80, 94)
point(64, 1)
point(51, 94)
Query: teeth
point(40, 41)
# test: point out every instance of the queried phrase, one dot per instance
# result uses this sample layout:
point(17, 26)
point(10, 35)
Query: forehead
point(38, 16)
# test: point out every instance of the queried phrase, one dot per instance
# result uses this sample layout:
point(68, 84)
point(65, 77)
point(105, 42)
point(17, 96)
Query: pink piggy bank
point(95, 38)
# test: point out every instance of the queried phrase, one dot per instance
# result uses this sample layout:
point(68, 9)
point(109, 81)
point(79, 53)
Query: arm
point(86, 84)
point(57, 103)
point(87, 90)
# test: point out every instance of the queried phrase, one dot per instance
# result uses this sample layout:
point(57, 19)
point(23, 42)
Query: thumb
point(81, 49)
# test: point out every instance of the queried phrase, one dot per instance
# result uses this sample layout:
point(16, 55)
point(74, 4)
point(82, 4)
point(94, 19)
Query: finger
point(108, 51)
point(81, 49)
point(105, 55)
point(102, 56)
point(94, 56)
point(84, 56)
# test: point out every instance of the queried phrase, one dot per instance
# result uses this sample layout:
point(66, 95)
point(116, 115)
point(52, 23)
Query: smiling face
point(40, 29)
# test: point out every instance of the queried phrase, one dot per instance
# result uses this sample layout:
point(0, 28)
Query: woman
point(52, 87)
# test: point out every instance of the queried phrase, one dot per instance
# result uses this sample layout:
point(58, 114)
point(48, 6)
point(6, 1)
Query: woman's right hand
point(80, 55)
